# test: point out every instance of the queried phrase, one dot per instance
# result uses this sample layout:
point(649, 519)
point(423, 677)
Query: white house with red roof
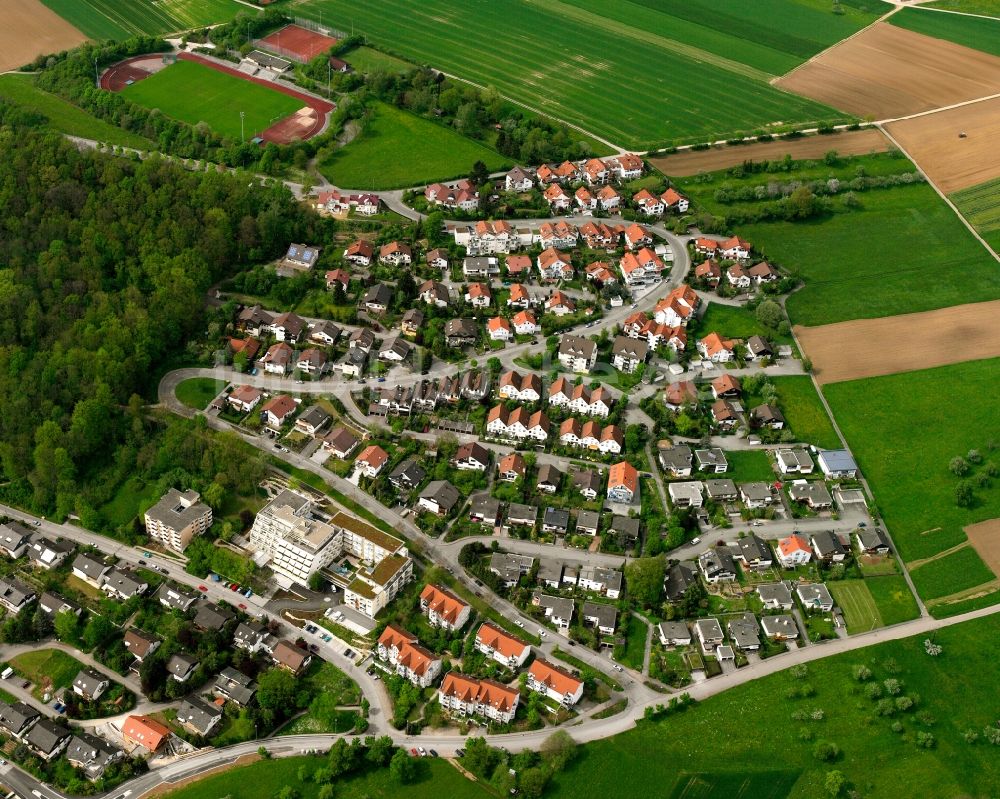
point(504, 648)
point(499, 329)
point(717, 349)
point(648, 203)
point(554, 265)
point(525, 324)
point(678, 307)
point(372, 460)
point(558, 234)
point(468, 696)
point(735, 249)
point(642, 267)
point(554, 682)
point(674, 201)
point(557, 198)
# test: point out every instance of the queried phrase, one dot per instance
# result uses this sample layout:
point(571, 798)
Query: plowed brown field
point(30, 29)
point(952, 162)
point(888, 72)
point(873, 347)
point(851, 142)
point(985, 539)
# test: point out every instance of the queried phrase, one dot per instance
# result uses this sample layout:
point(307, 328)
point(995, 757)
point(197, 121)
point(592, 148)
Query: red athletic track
point(306, 44)
point(282, 132)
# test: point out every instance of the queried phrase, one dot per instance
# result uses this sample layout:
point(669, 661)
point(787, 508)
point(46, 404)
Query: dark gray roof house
point(754, 552)
point(587, 481)
point(603, 617)
point(555, 520)
point(625, 528)
point(235, 686)
point(90, 568)
point(14, 539)
point(47, 739)
point(827, 545)
point(181, 666)
point(15, 595)
point(249, 635)
point(51, 604)
point(90, 683)
point(679, 578)
point(212, 617)
point(92, 754)
point(745, 632)
point(124, 584)
point(872, 540)
point(440, 496)
point(17, 718)
point(199, 716)
point(175, 598)
point(407, 475)
point(588, 522)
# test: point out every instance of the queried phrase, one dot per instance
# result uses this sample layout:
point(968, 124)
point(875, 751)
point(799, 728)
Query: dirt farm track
point(888, 72)
point(30, 29)
point(954, 163)
point(873, 347)
point(691, 162)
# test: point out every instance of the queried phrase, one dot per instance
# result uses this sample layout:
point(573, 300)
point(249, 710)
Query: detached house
point(472, 456)
point(623, 483)
point(278, 359)
point(628, 353)
point(678, 307)
point(557, 234)
point(577, 353)
point(520, 179)
point(554, 265)
point(717, 349)
point(647, 203)
point(505, 649)
point(443, 608)
point(557, 198)
point(641, 268)
point(674, 201)
point(554, 682)
point(395, 253)
point(525, 324)
point(278, 410)
point(794, 551)
point(435, 293)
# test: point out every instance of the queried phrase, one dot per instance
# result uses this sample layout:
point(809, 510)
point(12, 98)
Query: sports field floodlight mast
point(242, 134)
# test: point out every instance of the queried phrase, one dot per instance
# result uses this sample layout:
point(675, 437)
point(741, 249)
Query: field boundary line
point(941, 194)
point(969, 593)
point(956, 13)
point(952, 107)
point(916, 564)
point(834, 46)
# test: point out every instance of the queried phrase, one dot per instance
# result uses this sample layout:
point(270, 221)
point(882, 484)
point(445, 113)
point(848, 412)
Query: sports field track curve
point(631, 88)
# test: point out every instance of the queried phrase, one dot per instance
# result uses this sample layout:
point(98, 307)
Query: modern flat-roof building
point(177, 518)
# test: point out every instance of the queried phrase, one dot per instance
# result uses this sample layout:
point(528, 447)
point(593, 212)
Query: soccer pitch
point(195, 93)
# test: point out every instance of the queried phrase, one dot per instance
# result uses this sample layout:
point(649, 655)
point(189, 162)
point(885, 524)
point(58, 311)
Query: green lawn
point(742, 732)
point(408, 151)
point(857, 603)
point(713, 60)
point(198, 392)
point(727, 785)
point(903, 434)
point(121, 19)
point(736, 322)
point(263, 780)
point(981, 206)
point(131, 498)
point(635, 644)
point(48, 669)
point(748, 465)
point(975, 32)
point(63, 116)
point(194, 93)
point(368, 59)
point(990, 8)
point(803, 410)
point(961, 570)
point(893, 598)
point(921, 242)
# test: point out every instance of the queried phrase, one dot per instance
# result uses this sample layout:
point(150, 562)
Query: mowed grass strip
point(893, 598)
point(961, 570)
point(904, 429)
point(749, 465)
point(860, 610)
point(193, 93)
point(120, 19)
point(745, 785)
point(628, 88)
point(976, 33)
point(981, 206)
point(397, 149)
point(63, 116)
point(368, 59)
point(197, 392)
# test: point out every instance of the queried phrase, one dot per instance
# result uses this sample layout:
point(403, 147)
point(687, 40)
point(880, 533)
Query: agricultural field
point(264, 780)
point(368, 59)
point(63, 116)
point(409, 150)
point(194, 93)
point(197, 392)
point(693, 162)
point(904, 442)
point(804, 411)
point(873, 347)
point(702, 69)
point(989, 8)
point(752, 785)
point(893, 598)
point(888, 71)
point(981, 206)
point(720, 736)
point(974, 32)
point(857, 603)
point(120, 19)
point(30, 30)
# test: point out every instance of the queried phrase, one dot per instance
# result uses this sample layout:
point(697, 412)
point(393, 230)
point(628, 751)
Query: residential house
point(738, 277)
point(520, 179)
point(518, 296)
point(480, 268)
point(709, 633)
point(485, 510)
point(312, 361)
point(395, 253)
point(721, 490)
point(244, 399)
point(235, 686)
point(411, 322)
point(463, 196)
point(726, 414)
point(288, 327)
point(794, 461)
point(438, 258)
point(647, 203)
point(726, 387)
point(754, 553)
point(509, 567)
point(549, 478)
point(439, 497)
point(140, 644)
point(604, 618)
point(341, 442)
point(625, 530)
point(780, 628)
point(837, 464)
point(372, 460)
point(588, 522)
point(250, 636)
point(744, 632)
point(521, 515)
point(735, 249)
point(815, 596)
point(312, 420)
point(198, 716)
point(90, 684)
point(716, 349)
point(44, 553)
point(756, 495)
point(124, 585)
point(641, 268)
point(600, 272)
point(679, 394)
point(92, 754)
point(577, 353)
point(673, 633)
point(557, 234)
point(758, 348)
point(174, 598)
point(402, 651)
point(557, 198)
point(499, 329)
point(181, 666)
point(522, 388)
point(443, 608)
point(53, 604)
point(433, 292)
point(775, 596)
point(814, 493)
point(678, 579)
point(560, 304)
point(712, 460)
point(472, 456)
point(709, 271)
point(554, 682)
point(872, 541)
point(475, 384)
point(407, 475)
point(828, 547)
point(637, 236)
point(517, 265)
point(212, 618)
point(479, 295)
point(767, 415)
point(627, 354)
point(587, 482)
point(461, 332)
point(254, 320)
point(300, 256)
point(558, 610)
point(717, 565)
point(602, 580)
point(678, 307)
point(794, 551)
point(518, 424)
point(525, 324)
point(377, 299)
point(554, 265)
point(16, 718)
point(278, 359)
point(90, 570)
point(675, 201)
point(47, 738)
point(556, 521)
point(687, 495)
point(360, 253)
point(395, 350)
point(14, 539)
point(278, 410)
point(335, 277)
point(467, 696)
point(288, 656)
point(146, 732)
point(623, 483)
point(504, 648)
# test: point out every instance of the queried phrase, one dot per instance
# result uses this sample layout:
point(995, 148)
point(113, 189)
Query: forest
point(104, 266)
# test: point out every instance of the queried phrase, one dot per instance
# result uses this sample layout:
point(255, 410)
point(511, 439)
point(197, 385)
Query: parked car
point(202, 588)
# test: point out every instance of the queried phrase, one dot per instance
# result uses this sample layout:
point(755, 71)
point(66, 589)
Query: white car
point(618, 668)
point(541, 633)
point(519, 623)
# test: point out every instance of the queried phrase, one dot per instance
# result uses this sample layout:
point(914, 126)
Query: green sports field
point(120, 19)
point(398, 149)
point(195, 93)
point(981, 206)
point(975, 32)
point(639, 73)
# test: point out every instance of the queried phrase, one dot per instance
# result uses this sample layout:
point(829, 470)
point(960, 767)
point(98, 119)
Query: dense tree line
point(104, 264)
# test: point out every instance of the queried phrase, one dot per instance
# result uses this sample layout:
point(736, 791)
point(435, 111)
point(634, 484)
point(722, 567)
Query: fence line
point(326, 30)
